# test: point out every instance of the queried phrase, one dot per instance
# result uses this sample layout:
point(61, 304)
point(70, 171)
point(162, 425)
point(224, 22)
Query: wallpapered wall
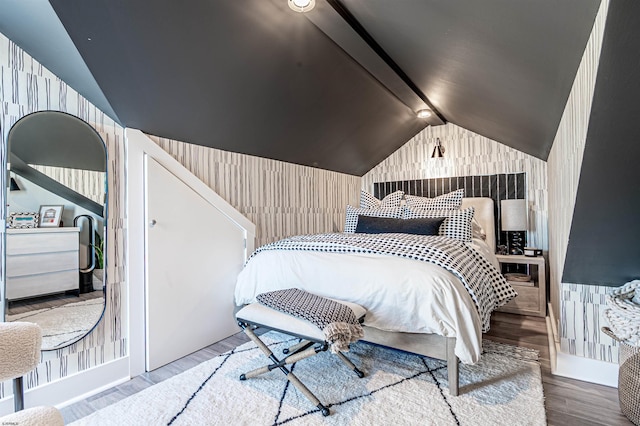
point(26, 87)
point(282, 199)
point(86, 182)
point(578, 308)
point(468, 154)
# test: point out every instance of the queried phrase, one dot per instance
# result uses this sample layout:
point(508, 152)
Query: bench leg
point(350, 364)
point(281, 365)
point(296, 347)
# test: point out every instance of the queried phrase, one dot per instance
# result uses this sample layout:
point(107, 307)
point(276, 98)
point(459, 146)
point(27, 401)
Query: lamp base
point(516, 242)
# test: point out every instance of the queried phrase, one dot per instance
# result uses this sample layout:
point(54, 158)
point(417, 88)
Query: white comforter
point(399, 294)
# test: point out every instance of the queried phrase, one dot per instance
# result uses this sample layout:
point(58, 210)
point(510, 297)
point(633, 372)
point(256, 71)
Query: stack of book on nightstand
point(514, 278)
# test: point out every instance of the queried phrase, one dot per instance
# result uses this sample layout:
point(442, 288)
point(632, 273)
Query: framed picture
point(50, 216)
point(23, 220)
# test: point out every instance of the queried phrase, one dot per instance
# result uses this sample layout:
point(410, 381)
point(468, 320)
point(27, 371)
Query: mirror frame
point(5, 192)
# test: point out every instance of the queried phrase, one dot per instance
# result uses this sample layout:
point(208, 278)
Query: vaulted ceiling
point(336, 88)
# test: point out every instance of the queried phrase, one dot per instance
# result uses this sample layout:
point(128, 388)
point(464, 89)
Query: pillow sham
point(449, 201)
point(456, 225)
point(383, 225)
point(351, 220)
point(368, 201)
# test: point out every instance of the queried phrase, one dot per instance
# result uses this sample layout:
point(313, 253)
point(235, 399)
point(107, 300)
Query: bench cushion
point(256, 313)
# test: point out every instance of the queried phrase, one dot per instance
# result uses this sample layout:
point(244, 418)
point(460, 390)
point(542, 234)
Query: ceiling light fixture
point(301, 5)
point(424, 113)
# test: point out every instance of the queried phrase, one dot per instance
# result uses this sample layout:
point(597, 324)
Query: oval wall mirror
point(56, 222)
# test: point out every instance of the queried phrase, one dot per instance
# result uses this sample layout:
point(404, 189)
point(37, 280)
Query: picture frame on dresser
point(18, 220)
point(50, 216)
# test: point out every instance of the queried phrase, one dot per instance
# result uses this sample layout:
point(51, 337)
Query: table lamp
point(513, 215)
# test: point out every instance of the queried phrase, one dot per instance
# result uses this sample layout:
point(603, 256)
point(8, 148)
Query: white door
point(194, 254)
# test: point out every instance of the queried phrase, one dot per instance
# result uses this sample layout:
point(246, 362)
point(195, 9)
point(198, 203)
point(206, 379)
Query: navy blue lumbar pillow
point(382, 225)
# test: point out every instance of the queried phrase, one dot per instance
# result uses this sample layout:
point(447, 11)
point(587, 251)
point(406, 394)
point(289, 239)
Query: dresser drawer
point(37, 285)
point(18, 266)
point(18, 244)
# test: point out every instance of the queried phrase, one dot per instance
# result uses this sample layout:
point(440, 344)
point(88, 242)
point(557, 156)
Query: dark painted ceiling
point(254, 77)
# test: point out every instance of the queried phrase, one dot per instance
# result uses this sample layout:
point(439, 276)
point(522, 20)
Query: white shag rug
point(504, 388)
point(63, 324)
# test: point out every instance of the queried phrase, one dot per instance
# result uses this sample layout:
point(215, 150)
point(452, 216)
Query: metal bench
point(312, 342)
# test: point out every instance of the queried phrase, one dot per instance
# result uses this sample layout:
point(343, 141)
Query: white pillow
point(449, 201)
point(368, 201)
point(456, 225)
point(351, 220)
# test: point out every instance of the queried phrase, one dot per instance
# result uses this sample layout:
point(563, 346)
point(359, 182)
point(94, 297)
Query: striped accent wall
point(467, 154)
point(25, 87)
point(497, 187)
point(282, 199)
point(577, 308)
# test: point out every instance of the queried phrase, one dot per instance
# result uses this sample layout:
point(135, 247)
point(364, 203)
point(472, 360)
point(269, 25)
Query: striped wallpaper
point(467, 154)
point(25, 87)
point(282, 199)
point(86, 182)
point(577, 308)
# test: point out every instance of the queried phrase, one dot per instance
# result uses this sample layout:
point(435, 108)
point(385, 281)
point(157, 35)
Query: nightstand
point(532, 296)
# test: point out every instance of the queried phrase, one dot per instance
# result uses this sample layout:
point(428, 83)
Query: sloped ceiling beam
point(364, 34)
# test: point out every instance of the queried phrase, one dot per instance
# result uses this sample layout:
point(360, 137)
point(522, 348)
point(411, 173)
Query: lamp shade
point(513, 215)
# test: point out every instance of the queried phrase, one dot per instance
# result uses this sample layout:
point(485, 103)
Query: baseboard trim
point(73, 388)
point(586, 369)
point(577, 367)
point(550, 340)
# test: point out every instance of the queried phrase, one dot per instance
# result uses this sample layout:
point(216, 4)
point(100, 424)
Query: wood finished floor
point(568, 402)
point(49, 302)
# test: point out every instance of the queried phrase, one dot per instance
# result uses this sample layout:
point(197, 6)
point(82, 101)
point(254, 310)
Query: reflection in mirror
point(56, 226)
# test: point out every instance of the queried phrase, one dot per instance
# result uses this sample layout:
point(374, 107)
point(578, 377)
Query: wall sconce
point(13, 185)
point(513, 215)
point(438, 150)
point(301, 5)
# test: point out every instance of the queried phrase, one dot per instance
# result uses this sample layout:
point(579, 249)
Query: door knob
point(152, 223)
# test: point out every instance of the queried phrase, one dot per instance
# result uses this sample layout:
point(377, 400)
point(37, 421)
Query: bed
point(412, 305)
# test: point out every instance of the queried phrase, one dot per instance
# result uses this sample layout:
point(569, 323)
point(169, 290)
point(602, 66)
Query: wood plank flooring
point(568, 402)
point(50, 301)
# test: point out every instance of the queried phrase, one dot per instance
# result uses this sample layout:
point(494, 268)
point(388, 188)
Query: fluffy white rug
point(504, 388)
point(64, 324)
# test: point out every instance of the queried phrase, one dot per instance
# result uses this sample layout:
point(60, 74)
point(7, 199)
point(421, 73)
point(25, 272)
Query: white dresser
point(41, 261)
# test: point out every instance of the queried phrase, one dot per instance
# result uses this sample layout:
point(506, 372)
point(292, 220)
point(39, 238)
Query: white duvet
point(399, 294)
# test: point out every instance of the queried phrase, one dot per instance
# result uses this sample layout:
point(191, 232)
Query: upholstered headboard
point(484, 215)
